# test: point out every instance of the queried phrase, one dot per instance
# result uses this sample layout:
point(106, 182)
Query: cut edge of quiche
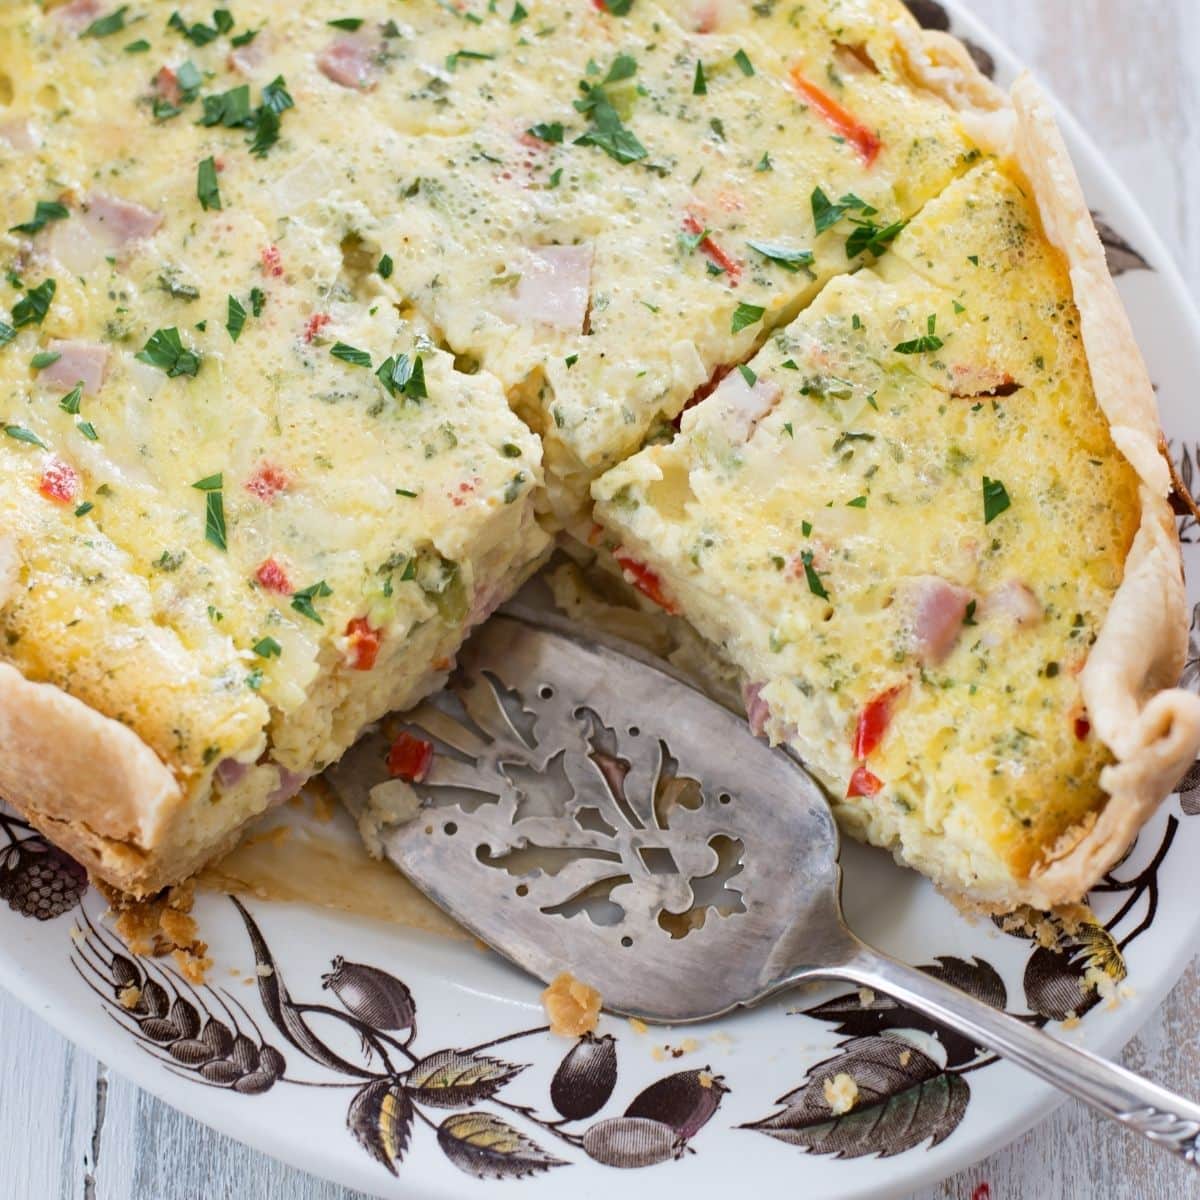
point(1150, 727)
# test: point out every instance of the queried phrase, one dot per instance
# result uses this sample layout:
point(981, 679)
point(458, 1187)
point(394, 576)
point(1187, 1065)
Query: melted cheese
point(833, 533)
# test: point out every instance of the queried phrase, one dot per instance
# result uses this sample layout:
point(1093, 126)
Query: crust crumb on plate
point(841, 1093)
point(162, 925)
point(572, 1006)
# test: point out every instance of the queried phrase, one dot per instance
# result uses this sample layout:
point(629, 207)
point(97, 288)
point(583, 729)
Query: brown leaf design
point(488, 1148)
point(381, 1117)
point(454, 1078)
point(1122, 256)
point(904, 1099)
point(632, 1142)
point(977, 977)
point(1064, 980)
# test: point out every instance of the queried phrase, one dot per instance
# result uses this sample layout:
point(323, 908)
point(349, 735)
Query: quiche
point(317, 327)
point(928, 523)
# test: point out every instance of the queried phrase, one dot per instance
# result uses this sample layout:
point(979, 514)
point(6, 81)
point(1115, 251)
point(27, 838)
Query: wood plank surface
point(1130, 71)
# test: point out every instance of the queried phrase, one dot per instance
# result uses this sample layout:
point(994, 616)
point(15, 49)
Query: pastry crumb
point(162, 925)
point(264, 971)
point(130, 996)
point(705, 1079)
point(572, 1006)
point(193, 967)
point(866, 997)
point(905, 1056)
point(637, 1025)
point(841, 1093)
point(658, 1053)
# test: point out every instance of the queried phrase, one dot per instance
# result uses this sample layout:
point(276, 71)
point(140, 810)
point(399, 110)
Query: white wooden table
point(1130, 70)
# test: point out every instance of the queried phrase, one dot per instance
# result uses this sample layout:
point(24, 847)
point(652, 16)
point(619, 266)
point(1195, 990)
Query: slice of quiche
point(928, 522)
point(249, 506)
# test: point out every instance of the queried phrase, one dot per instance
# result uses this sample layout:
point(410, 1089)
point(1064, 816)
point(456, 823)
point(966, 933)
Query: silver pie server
point(587, 810)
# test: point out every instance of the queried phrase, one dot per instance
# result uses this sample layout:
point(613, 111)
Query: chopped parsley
point(699, 83)
point(857, 502)
point(85, 508)
point(784, 256)
point(404, 377)
point(235, 321)
point(350, 23)
point(32, 308)
point(7, 333)
point(166, 351)
point(869, 238)
point(386, 266)
point(231, 108)
point(995, 499)
point(351, 354)
point(744, 64)
point(607, 131)
point(71, 402)
point(747, 374)
point(265, 121)
point(765, 163)
point(202, 35)
point(88, 430)
point(810, 573)
point(44, 359)
point(20, 434)
point(406, 493)
point(745, 315)
point(104, 26)
point(547, 131)
point(207, 189)
point(926, 343)
point(969, 615)
point(618, 8)
point(214, 509)
point(452, 60)
point(138, 47)
point(44, 212)
point(519, 13)
point(303, 600)
point(267, 647)
point(258, 301)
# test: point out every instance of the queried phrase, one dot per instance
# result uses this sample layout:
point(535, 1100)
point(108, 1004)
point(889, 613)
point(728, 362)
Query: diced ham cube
point(78, 362)
point(936, 611)
point(79, 14)
point(166, 87)
point(19, 134)
point(350, 61)
point(1014, 601)
point(119, 221)
point(248, 58)
point(757, 709)
point(555, 288)
point(737, 406)
point(289, 784)
point(230, 772)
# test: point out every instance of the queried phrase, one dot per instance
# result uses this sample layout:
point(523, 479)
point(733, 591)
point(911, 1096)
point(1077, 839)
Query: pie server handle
point(1164, 1118)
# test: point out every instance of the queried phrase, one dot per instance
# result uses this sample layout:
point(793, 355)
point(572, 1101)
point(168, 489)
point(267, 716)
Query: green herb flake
point(268, 647)
point(166, 351)
point(351, 355)
point(995, 499)
point(258, 301)
point(747, 374)
point(969, 615)
point(857, 502)
point(404, 377)
point(746, 315)
point(32, 308)
point(519, 13)
point(44, 212)
point(743, 63)
point(926, 343)
point(20, 434)
point(138, 47)
point(303, 600)
point(386, 267)
point(699, 83)
point(806, 527)
point(7, 333)
point(207, 188)
point(547, 131)
point(105, 26)
point(810, 573)
point(85, 508)
point(406, 493)
point(88, 430)
point(348, 23)
point(784, 256)
point(44, 359)
point(71, 402)
point(235, 320)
